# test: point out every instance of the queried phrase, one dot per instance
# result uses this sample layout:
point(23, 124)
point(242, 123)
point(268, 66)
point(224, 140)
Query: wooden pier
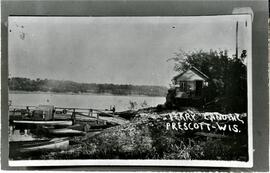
point(52, 113)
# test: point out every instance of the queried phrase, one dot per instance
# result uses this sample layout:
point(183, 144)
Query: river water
point(93, 101)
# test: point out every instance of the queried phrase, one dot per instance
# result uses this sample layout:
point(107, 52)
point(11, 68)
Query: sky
point(119, 50)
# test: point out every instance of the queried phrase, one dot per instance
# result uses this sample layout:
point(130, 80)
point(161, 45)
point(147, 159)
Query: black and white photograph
point(167, 91)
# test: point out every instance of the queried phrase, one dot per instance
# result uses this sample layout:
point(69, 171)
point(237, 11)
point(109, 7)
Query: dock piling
point(97, 117)
point(73, 116)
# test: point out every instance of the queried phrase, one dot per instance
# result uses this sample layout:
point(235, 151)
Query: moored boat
point(42, 145)
point(66, 132)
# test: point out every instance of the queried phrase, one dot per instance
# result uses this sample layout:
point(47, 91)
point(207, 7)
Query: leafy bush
point(227, 89)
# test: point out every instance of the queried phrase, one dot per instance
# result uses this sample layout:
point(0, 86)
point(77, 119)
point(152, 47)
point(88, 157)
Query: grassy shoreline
point(146, 137)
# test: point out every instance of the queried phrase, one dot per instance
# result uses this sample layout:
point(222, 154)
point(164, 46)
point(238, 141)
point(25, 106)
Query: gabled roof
point(194, 70)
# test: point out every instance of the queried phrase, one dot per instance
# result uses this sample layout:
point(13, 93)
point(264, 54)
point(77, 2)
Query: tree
point(227, 89)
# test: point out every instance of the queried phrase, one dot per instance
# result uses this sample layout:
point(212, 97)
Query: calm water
point(84, 101)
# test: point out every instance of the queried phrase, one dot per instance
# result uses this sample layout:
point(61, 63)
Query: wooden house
point(187, 88)
point(189, 84)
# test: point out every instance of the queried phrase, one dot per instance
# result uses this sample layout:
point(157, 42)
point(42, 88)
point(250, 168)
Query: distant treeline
point(58, 86)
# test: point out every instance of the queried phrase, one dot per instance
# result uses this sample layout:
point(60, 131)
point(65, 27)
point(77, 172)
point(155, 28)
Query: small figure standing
point(113, 109)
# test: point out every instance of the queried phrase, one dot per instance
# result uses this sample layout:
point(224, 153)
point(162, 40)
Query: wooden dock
point(39, 113)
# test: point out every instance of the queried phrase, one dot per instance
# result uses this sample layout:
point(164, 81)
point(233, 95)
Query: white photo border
point(184, 163)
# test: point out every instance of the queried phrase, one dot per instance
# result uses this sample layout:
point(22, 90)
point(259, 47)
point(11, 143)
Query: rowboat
point(59, 123)
point(42, 145)
point(65, 132)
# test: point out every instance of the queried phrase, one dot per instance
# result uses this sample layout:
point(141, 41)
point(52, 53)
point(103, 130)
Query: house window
point(183, 86)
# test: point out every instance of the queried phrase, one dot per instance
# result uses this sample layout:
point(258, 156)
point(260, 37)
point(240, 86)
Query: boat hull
point(45, 145)
point(66, 132)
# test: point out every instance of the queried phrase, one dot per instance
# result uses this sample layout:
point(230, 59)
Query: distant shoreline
point(48, 86)
point(70, 93)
